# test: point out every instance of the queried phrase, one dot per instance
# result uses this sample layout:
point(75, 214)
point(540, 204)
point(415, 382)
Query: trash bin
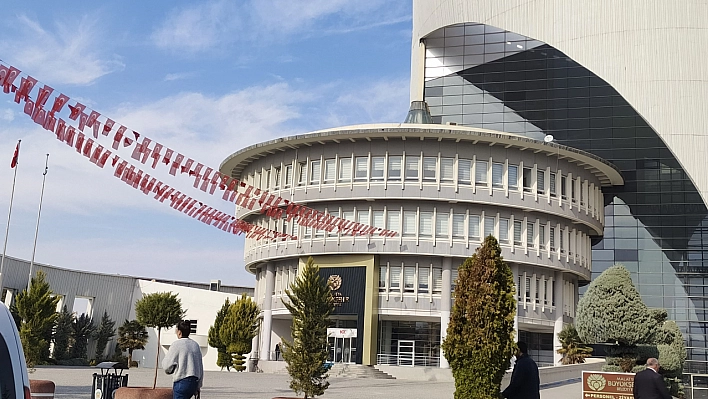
point(106, 383)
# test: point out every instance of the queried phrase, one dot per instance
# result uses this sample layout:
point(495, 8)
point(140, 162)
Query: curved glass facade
point(656, 225)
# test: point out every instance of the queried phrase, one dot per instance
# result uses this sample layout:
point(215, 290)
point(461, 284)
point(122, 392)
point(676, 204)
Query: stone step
point(357, 371)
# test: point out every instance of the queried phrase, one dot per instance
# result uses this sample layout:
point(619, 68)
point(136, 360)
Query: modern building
point(624, 80)
point(95, 293)
point(443, 188)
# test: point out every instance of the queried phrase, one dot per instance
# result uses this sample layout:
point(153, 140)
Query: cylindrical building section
point(443, 188)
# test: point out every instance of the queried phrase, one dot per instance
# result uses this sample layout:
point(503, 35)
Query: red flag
point(16, 156)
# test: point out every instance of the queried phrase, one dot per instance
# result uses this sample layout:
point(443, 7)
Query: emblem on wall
point(334, 282)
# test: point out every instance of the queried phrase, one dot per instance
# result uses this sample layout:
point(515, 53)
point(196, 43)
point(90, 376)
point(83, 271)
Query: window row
point(565, 242)
point(533, 290)
point(479, 173)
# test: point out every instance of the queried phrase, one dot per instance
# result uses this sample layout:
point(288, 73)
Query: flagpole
point(39, 213)
point(9, 214)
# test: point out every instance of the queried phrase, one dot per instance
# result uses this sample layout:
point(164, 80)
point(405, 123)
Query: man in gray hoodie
point(184, 362)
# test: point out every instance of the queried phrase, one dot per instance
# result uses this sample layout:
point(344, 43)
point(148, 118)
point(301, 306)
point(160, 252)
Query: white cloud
point(71, 53)
point(213, 24)
point(178, 76)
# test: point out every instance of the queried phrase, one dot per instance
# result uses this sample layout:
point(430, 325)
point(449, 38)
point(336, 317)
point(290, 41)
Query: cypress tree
point(239, 327)
point(82, 329)
point(62, 334)
point(106, 331)
point(159, 310)
point(223, 358)
point(480, 335)
point(38, 311)
point(310, 305)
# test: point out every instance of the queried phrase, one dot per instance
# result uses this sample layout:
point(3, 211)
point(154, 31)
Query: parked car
point(14, 381)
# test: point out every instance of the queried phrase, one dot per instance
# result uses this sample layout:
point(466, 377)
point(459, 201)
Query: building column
point(515, 273)
point(267, 329)
point(445, 302)
point(558, 298)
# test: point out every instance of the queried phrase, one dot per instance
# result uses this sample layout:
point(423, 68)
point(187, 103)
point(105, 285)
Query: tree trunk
point(157, 359)
point(130, 357)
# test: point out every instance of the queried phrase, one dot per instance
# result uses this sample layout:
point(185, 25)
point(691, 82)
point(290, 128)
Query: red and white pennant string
point(151, 152)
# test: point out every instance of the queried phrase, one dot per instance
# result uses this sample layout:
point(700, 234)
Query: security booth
point(110, 379)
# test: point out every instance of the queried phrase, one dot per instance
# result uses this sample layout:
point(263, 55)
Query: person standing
point(184, 362)
point(277, 351)
point(649, 384)
point(525, 382)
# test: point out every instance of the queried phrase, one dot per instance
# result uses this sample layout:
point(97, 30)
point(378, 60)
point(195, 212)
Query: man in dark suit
point(525, 383)
point(649, 384)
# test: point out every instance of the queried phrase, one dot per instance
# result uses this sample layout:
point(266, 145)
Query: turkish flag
point(16, 156)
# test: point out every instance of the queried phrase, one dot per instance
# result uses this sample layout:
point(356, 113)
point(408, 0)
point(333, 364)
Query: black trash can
point(106, 383)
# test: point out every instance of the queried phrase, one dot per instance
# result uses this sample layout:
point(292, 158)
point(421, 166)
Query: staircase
point(358, 371)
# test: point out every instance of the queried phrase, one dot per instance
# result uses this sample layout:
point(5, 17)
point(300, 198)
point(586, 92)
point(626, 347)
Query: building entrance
point(342, 345)
point(406, 353)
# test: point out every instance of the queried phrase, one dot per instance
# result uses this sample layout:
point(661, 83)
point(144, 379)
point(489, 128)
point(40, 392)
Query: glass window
point(423, 280)
point(513, 177)
point(573, 196)
point(429, 168)
point(437, 280)
point(266, 179)
point(474, 227)
point(412, 168)
point(562, 241)
point(489, 226)
point(458, 226)
point(394, 168)
point(7, 377)
point(334, 213)
point(552, 232)
point(409, 278)
point(517, 232)
point(464, 171)
point(564, 186)
point(360, 169)
point(395, 277)
point(348, 215)
point(498, 175)
point(480, 173)
point(538, 289)
point(302, 173)
point(527, 179)
point(453, 280)
point(426, 224)
point(529, 235)
point(408, 223)
point(545, 292)
point(542, 236)
point(382, 278)
point(442, 222)
point(330, 170)
point(447, 170)
point(528, 289)
point(314, 172)
point(541, 181)
point(345, 170)
point(503, 231)
point(393, 220)
point(362, 216)
point(552, 184)
point(288, 176)
point(377, 168)
point(276, 180)
point(378, 219)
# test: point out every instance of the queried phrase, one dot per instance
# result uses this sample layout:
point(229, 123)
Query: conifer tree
point(131, 336)
point(38, 311)
point(159, 310)
point(612, 311)
point(62, 334)
point(310, 305)
point(480, 336)
point(223, 358)
point(238, 329)
point(106, 330)
point(82, 329)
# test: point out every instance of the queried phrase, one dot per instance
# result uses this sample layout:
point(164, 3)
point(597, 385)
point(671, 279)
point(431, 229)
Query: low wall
point(548, 375)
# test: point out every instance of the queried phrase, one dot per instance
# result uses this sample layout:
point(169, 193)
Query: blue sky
point(207, 78)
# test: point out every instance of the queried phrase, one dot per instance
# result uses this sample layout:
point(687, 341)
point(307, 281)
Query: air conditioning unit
point(215, 285)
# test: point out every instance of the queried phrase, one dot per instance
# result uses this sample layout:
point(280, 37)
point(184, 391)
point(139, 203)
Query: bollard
point(41, 389)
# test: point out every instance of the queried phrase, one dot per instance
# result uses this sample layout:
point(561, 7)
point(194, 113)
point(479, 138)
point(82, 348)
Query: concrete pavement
point(75, 383)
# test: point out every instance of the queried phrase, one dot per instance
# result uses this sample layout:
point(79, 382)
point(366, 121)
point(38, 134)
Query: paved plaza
point(75, 383)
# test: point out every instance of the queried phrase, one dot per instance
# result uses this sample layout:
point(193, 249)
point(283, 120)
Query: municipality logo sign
point(596, 382)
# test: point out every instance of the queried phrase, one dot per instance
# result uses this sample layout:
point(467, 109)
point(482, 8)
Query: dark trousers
point(185, 388)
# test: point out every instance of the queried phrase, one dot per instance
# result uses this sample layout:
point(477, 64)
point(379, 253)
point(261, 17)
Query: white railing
point(696, 386)
point(408, 360)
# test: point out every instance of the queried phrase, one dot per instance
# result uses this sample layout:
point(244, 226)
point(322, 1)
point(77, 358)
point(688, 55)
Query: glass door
point(406, 353)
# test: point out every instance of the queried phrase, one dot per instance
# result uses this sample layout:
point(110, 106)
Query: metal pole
point(7, 229)
point(36, 231)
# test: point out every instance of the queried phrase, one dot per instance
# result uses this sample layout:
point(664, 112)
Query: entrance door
point(406, 353)
point(342, 345)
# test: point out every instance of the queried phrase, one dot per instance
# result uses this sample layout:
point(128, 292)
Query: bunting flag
point(15, 157)
point(206, 179)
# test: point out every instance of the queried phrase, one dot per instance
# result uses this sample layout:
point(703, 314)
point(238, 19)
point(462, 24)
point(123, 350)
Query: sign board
point(341, 332)
point(601, 385)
